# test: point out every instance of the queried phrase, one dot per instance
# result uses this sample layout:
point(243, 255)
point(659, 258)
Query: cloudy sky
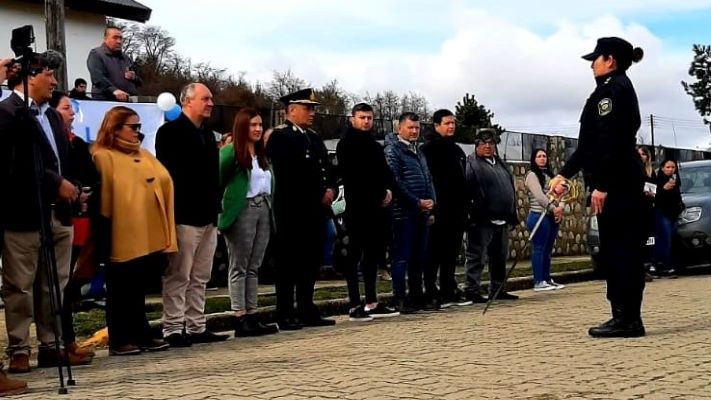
point(520, 58)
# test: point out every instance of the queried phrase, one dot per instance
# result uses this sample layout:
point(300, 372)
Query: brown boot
point(9, 386)
point(80, 351)
point(19, 363)
point(49, 358)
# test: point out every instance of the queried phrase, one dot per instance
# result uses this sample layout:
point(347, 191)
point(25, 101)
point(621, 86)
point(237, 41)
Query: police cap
point(304, 96)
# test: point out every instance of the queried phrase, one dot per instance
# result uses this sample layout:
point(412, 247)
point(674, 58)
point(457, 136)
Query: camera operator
point(22, 132)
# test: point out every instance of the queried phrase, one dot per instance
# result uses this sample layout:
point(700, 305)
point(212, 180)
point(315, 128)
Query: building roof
point(124, 9)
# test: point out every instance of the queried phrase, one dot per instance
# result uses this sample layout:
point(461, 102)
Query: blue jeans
point(542, 243)
point(408, 256)
point(330, 241)
point(663, 230)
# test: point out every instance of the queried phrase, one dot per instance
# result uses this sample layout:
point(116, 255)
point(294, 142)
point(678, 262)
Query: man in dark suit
point(302, 200)
point(23, 134)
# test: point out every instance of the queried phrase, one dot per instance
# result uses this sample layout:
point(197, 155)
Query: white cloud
point(520, 59)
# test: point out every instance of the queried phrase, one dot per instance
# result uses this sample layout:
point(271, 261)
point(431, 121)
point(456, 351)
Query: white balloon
point(165, 101)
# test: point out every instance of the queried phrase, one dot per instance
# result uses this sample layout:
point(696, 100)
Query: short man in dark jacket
point(613, 171)
point(491, 212)
point(446, 161)
point(412, 205)
point(188, 150)
point(303, 192)
point(21, 131)
point(367, 181)
point(79, 91)
point(112, 74)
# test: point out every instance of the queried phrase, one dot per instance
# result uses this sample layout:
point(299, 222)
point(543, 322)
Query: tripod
point(47, 259)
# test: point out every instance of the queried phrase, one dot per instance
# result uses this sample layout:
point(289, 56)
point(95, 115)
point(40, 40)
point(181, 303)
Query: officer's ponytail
point(637, 54)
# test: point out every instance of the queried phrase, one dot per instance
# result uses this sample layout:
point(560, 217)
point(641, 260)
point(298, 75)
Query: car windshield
point(696, 179)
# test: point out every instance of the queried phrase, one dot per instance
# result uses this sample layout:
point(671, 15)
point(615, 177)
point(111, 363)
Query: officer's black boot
point(621, 325)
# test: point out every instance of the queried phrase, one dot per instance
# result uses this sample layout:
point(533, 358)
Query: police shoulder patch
point(604, 107)
point(282, 126)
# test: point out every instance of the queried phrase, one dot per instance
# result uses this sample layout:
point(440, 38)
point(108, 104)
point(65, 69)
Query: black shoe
point(382, 311)
point(289, 324)
point(506, 296)
point(618, 328)
point(667, 273)
point(178, 340)
point(207, 337)
point(475, 297)
point(358, 314)
point(318, 321)
point(405, 308)
point(432, 305)
point(456, 300)
point(154, 345)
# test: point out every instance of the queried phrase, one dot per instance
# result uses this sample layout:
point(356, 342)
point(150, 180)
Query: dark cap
point(484, 134)
point(304, 96)
point(614, 46)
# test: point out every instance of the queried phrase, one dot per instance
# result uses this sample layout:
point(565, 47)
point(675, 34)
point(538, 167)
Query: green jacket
point(234, 184)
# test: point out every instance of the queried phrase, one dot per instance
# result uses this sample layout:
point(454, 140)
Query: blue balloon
point(173, 113)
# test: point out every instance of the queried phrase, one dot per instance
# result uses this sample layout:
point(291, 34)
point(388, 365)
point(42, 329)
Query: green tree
point(700, 91)
point(470, 116)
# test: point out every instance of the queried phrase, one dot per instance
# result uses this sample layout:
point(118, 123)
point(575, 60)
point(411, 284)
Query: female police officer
point(614, 174)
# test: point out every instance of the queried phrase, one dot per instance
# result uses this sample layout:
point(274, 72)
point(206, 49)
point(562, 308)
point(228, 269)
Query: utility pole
point(54, 26)
point(651, 129)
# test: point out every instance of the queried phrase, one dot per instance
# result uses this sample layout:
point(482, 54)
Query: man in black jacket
point(367, 182)
point(446, 161)
point(21, 132)
point(492, 210)
point(614, 173)
point(304, 190)
point(188, 150)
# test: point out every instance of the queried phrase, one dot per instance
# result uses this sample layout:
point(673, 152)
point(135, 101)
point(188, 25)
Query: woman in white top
point(246, 218)
point(536, 182)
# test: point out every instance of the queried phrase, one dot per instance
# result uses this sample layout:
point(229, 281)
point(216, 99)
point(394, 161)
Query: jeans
point(664, 229)
point(542, 243)
point(330, 241)
point(408, 256)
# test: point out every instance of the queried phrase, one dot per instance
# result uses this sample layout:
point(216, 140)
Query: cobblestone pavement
point(535, 348)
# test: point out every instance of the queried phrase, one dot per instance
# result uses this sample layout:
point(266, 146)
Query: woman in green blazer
point(246, 218)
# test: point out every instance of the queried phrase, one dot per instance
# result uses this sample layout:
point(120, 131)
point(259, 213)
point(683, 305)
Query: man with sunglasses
point(492, 210)
point(25, 279)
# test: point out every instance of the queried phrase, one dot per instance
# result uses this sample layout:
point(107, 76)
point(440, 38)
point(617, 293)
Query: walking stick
point(569, 193)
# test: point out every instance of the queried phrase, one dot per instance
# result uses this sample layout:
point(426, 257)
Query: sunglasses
point(135, 127)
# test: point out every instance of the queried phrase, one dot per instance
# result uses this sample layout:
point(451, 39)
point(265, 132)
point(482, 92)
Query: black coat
point(191, 157)
point(607, 151)
point(302, 174)
point(668, 202)
point(19, 207)
point(447, 163)
point(365, 173)
point(411, 177)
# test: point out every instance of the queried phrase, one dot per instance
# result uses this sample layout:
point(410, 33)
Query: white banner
point(90, 113)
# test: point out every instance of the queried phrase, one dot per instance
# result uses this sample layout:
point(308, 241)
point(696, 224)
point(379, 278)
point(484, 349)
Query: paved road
point(536, 348)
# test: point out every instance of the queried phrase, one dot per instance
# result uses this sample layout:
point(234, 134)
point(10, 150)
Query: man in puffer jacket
point(412, 204)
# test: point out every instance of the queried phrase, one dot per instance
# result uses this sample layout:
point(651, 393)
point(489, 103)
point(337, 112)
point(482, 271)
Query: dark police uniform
point(302, 174)
point(608, 156)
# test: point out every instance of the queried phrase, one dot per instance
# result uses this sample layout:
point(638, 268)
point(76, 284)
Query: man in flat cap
point(613, 172)
point(305, 187)
point(492, 210)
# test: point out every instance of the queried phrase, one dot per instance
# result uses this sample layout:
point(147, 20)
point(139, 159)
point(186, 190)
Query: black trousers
point(72, 294)
point(622, 239)
point(366, 248)
point(126, 284)
point(299, 248)
point(445, 244)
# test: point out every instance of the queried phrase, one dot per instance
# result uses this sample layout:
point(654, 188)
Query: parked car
point(692, 242)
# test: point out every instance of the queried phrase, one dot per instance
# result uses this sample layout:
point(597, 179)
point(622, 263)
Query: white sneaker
point(557, 285)
point(543, 286)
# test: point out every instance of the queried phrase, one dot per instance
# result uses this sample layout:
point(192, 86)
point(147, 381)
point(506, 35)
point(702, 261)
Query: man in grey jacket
point(491, 211)
point(112, 74)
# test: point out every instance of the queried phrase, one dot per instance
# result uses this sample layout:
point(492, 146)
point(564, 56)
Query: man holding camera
point(24, 133)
